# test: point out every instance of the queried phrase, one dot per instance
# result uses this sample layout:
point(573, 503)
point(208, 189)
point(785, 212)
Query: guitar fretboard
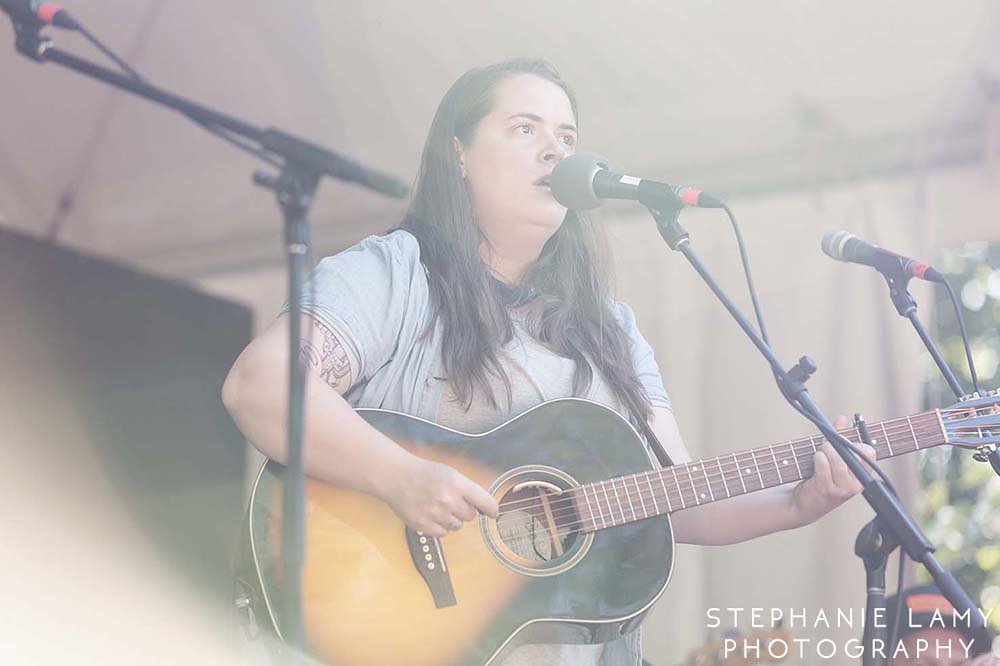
point(626, 499)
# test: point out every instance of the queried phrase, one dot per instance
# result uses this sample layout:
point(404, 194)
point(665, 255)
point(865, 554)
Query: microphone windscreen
point(572, 182)
point(833, 243)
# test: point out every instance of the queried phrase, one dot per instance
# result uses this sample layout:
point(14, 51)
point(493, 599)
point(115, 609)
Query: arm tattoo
point(331, 361)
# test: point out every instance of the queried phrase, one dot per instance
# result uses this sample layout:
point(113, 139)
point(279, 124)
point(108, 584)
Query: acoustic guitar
point(581, 549)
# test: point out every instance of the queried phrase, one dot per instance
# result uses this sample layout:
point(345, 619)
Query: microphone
point(845, 246)
point(35, 13)
point(583, 181)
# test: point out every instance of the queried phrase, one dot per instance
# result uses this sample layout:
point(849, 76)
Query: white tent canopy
point(736, 97)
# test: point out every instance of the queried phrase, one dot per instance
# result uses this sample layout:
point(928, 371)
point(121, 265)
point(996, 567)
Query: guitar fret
point(694, 488)
point(756, 465)
point(618, 499)
point(722, 473)
point(638, 493)
point(745, 473)
point(680, 490)
point(739, 475)
point(607, 498)
point(888, 442)
point(591, 509)
point(711, 493)
point(916, 443)
point(628, 498)
point(940, 423)
point(666, 493)
point(652, 494)
point(600, 509)
point(777, 469)
point(597, 501)
point(795, 456)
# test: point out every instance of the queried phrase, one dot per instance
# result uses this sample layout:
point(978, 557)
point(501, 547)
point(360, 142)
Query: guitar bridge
point(428, 558)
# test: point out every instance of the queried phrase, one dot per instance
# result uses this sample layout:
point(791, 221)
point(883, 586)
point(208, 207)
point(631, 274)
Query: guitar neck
point(635, 497)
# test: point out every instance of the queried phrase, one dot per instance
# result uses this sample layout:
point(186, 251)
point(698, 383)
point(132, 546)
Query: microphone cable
point(965, 337)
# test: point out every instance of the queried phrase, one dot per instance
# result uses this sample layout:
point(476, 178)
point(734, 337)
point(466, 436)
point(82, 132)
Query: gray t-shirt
point(376, 298)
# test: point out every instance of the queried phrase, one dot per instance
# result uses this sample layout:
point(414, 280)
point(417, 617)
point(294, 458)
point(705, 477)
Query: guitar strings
point(564, 507)
point(650, 502)
point(695, 479)
point(808, 442)
point(562, 530)
point(566, 528)
point(752, 456)
point(524, 538)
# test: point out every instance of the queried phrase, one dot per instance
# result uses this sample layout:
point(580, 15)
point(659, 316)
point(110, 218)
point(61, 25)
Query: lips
point(543, 181)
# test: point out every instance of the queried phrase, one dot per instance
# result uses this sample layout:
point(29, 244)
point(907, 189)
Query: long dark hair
point(571, 276)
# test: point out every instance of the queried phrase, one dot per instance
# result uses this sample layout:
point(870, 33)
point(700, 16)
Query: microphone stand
point(906, 306)
point(893, 518)
point(874, 543)
point(303, 163)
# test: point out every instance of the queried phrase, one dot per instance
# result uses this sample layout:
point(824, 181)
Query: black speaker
point(111, 415)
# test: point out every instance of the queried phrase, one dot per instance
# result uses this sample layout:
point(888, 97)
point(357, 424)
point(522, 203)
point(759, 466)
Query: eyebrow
point(538, 119)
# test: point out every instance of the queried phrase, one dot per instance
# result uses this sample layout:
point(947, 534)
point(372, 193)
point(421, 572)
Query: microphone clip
point(668, 224)
point(793, 382)
point(27, 39)
point(898, 279)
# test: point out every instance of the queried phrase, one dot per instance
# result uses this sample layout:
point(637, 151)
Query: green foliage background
point(959, 507)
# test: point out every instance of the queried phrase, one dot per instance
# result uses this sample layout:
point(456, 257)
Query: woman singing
point(489, 299)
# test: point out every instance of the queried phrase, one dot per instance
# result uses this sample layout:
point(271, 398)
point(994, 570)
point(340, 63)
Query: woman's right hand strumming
point(434, 498)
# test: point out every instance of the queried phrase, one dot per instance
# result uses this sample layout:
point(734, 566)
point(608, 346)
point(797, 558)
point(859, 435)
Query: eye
point(568, 139)
point(524, 129)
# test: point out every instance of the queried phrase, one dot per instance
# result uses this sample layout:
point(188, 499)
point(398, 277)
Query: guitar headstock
point(973, 421)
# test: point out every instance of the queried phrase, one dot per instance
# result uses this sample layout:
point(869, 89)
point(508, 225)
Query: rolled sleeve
point(643, 360)
point(363, 295)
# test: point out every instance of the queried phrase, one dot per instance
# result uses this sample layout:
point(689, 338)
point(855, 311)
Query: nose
point(555, 150)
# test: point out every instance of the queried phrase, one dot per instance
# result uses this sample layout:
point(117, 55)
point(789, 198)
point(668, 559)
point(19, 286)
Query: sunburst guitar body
point(377, 593)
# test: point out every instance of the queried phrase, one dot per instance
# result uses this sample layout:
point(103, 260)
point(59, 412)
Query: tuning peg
point(989, 453)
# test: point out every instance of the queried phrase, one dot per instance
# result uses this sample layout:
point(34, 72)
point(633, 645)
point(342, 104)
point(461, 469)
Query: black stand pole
point(874, 544)
point(893, 517)
point(907, 307)
point(295, 188)
point(303, 165)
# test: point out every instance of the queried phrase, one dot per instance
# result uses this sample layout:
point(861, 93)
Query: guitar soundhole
point(538, 529)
